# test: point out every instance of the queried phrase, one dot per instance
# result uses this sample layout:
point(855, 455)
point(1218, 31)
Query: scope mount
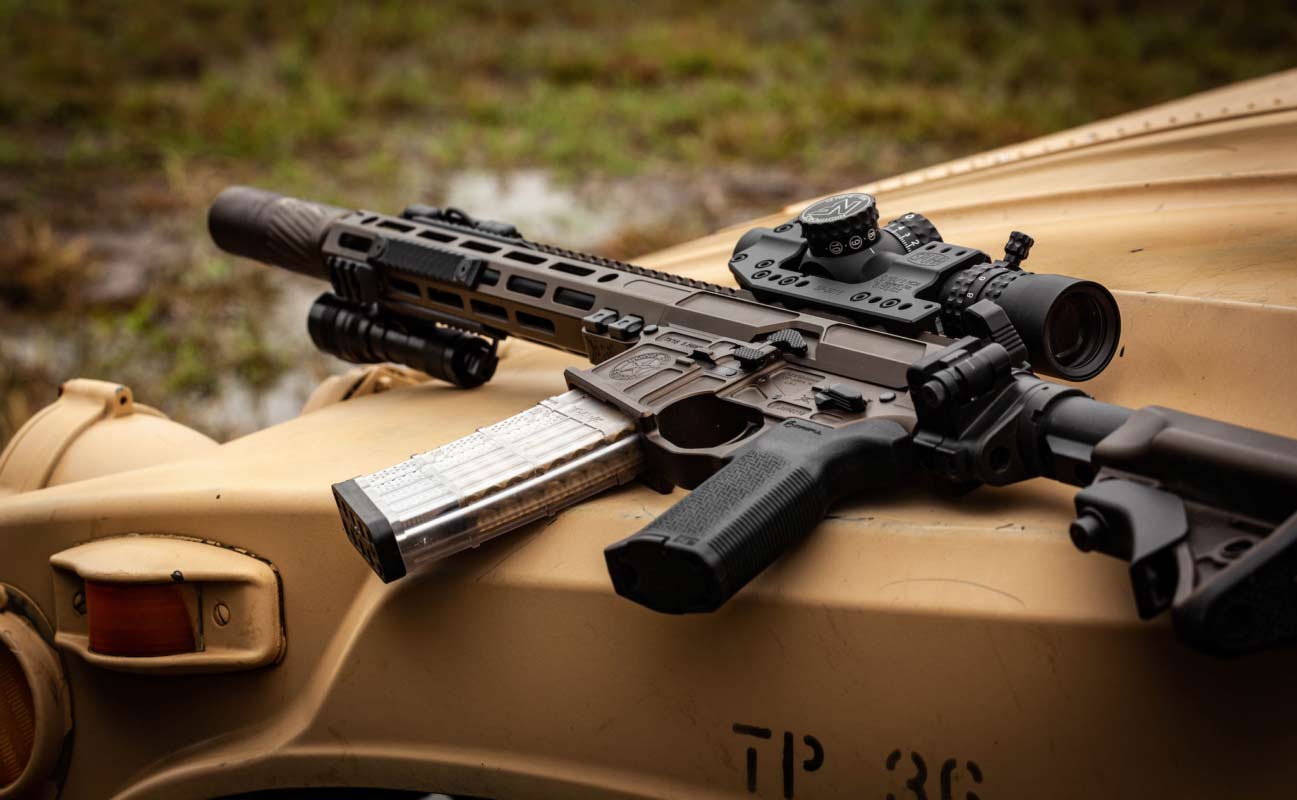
point(905, 279)
point(832, 266)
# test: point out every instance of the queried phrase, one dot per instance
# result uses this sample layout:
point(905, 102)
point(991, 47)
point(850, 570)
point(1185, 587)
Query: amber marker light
point(142, 619)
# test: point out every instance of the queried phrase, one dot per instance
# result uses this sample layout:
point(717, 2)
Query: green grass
point(603, 88)
point(127, 116)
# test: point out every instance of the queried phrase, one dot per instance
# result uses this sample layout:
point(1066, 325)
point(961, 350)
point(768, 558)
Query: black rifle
point(854, 354)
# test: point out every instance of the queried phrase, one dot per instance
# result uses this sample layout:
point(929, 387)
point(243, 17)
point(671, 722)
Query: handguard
point(776, 490)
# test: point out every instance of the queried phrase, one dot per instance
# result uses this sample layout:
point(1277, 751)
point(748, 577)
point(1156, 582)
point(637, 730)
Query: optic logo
point(638, 365)
point(837, 207)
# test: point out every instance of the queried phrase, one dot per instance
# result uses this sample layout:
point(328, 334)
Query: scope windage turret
point(905, 279)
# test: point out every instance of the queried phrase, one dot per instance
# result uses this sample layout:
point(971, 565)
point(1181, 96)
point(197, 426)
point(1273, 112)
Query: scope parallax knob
point(840, 225)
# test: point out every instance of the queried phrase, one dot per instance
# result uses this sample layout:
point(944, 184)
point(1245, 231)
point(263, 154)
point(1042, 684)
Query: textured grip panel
point(747, 513)
point(736, 523)
point(271, 228)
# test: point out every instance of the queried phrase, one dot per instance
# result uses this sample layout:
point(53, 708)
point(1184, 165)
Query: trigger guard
point(686, 467)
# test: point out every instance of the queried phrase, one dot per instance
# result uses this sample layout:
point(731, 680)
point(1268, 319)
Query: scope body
point(904, 278)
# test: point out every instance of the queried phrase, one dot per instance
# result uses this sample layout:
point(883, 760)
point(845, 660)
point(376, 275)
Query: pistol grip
point(776, 489)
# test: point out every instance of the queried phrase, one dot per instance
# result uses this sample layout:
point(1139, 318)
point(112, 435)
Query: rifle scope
point(903, 277)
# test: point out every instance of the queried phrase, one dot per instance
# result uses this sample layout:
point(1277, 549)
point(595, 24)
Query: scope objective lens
point(1070, 326)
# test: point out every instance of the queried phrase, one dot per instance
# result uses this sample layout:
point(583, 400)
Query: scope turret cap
point(913, 231)
point(840, 225)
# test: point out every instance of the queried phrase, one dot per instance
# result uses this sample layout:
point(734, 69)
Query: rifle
point(854, 358)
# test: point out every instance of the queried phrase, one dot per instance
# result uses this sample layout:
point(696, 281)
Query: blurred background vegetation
point(615, 126)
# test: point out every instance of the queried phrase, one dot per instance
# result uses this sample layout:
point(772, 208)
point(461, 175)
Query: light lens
point(142, 619)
